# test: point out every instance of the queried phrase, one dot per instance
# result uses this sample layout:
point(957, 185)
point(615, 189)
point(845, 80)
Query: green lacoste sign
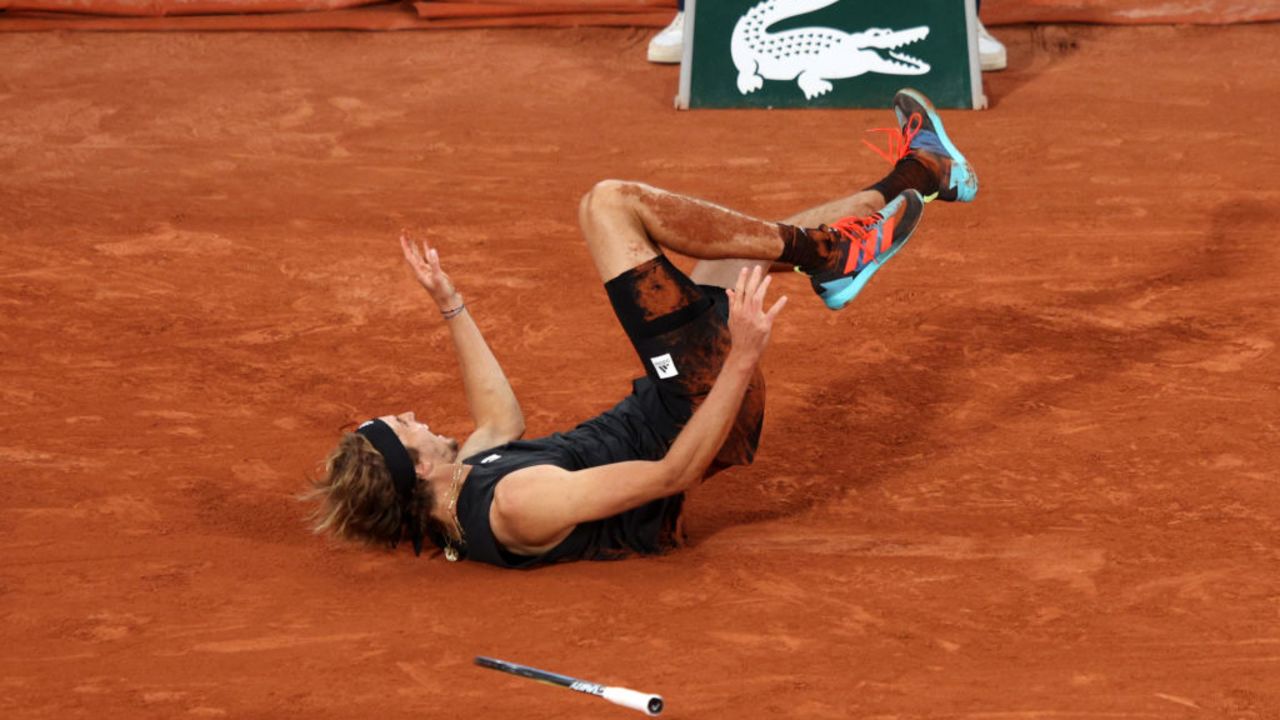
point(828, 53)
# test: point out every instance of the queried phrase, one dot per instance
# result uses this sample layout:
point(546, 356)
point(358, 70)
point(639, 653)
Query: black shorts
point(680, 331)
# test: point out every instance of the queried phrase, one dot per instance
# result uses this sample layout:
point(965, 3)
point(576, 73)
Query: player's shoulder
point(523, 504)
point(524, 491)
point(528, 479)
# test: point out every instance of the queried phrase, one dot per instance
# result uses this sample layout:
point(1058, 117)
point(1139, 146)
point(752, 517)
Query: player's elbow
point(674, 476)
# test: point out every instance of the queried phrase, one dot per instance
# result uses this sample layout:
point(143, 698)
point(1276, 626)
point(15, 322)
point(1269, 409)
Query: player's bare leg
point(859, 204)
point(924, 159)
point(724, 273)
point(625, 224)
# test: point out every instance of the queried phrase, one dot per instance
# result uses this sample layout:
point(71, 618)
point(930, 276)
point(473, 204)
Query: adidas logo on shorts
point(665, 366)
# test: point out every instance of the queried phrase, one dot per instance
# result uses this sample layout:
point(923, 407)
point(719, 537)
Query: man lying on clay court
point(614, 485)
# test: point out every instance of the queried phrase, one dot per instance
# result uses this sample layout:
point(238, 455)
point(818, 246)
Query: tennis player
point(614, 485)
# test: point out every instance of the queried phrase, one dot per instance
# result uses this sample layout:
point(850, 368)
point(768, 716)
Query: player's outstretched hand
point(425, 263)
point(749, 323)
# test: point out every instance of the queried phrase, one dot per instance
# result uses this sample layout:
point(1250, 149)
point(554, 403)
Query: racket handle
point(650, 705)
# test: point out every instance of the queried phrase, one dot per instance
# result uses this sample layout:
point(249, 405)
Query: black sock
point(909, 172)
point(810, 249)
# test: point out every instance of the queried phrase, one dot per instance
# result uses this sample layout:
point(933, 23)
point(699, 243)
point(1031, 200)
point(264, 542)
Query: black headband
point(387, 443)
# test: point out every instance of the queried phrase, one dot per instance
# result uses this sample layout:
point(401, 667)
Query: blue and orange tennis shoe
point(921, 137)
point(927, 141)
point(864, 244)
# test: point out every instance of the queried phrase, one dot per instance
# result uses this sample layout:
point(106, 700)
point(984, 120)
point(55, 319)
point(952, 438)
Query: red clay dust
point(1030, 473)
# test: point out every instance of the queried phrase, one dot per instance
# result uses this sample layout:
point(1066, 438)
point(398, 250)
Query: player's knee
point(605, 197)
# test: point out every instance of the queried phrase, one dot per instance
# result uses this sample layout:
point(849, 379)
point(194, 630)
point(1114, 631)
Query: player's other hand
point(749, 323)
point(425, 263)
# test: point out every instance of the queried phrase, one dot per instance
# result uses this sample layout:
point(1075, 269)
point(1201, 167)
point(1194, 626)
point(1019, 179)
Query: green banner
point(828, 53)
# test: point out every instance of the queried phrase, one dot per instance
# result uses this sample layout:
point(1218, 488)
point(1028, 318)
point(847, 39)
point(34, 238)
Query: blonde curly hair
point(357, 499)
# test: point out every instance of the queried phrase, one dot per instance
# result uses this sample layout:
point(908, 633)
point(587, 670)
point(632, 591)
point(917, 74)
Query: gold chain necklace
point(450, 549)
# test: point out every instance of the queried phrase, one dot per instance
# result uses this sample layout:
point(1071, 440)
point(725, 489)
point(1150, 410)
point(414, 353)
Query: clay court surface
point(1030, 473)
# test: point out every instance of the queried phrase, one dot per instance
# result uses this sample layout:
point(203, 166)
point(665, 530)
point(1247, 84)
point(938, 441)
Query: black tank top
point(638, 428)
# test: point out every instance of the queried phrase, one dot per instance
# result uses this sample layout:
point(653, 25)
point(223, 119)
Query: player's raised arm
point(490, 399)
point(535, 508)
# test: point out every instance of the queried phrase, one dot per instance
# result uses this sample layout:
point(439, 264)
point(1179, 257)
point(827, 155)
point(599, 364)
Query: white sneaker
point(991, 52)
point(668, 46)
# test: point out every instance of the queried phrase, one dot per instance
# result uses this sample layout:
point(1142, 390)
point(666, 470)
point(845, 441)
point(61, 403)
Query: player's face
point(418, 435)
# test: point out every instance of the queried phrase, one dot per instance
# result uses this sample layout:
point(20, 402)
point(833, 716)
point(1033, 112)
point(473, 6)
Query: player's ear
point(424, 467)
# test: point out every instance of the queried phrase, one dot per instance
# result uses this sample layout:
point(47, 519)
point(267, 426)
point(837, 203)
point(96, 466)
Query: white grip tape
point(629, 699)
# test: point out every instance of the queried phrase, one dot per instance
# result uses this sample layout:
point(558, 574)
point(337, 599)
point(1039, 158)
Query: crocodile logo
point(813, 56)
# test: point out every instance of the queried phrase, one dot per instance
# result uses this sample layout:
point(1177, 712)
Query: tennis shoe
point(864, 245)
point(667, 47)
point(926, 140)
point(991, 52)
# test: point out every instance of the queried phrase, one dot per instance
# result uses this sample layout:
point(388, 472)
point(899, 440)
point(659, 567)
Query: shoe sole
point(846, 294)
point(964, 192)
